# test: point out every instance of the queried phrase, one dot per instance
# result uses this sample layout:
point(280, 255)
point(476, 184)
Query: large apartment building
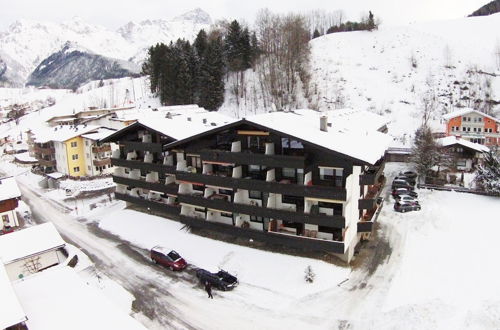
point(473, 126)
point(292, 178)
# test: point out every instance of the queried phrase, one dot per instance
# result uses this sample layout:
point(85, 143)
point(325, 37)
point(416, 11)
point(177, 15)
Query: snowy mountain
point(25, 44)
point(488, 9)
point(73, 66)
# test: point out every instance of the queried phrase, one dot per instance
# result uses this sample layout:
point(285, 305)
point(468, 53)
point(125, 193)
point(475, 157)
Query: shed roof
point(30, 241)
point(12, 312)
point(9, 188)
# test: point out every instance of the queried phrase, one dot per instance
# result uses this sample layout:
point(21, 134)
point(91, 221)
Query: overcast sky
point(114, 13)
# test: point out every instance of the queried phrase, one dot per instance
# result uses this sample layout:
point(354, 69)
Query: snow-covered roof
point(58, 298)
point(183, 122)
point(25, 158)
point(62, 133)
point(466, 111)
point(9, 188)
point(349, 118)
point(100, 134)
point(451, 140)
point(12, 312)
point(351, 140)
point(29, 241)
point(55, 175)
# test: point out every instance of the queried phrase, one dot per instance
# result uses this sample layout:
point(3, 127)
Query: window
point(468, 129)
point(89, 168)
point(453, 128)
point(88, 155)
point(5, 219)
point(74, 157)
point(288, 172)
point(336, 207)
point(76, 169)
point(331, 174)
point(256, 219)
point(474, 129)
point(255, 194)
point(227, 215)
point(464, 128)
point(86, 143)
point(73, 144)
point(479, 129)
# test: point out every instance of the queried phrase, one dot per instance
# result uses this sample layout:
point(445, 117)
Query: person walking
point(208, 288)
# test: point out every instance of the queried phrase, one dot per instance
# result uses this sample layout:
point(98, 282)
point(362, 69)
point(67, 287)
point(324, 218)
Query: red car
point(167, 258)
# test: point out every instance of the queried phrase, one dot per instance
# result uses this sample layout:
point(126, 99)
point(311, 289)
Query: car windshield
point(174, 255)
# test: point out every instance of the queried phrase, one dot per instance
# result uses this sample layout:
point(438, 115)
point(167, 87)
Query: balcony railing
point(47, 163)
point(333, 221)
point(142, 146)
point(372, 175)
point(365, 225)
point(140, 165)
point(248, 157)
point(45, 151)
point(299, 242)
point(171, 188)
point(103, 148)
point(369, 201)
point(332, 193)
point(101, 162)
point(150, 204)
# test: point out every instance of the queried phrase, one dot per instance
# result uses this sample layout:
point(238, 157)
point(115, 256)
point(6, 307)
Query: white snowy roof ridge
point(465, 111)
point(451, 140)
point(63, 133)
point(28, 242)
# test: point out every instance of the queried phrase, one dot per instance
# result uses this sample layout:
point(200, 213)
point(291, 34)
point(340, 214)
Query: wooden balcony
point(44, 151)
point(103, 148)
point(155, 186)
point(47, 163)
point(333, 221)
point(369, 201)
point(142, 146)
point(101, 162)
point(140, 165)
point(252, 158)
point(149, 204)
point(372, 176)
point(366, 224)
point(332, 193)
point(299, 242)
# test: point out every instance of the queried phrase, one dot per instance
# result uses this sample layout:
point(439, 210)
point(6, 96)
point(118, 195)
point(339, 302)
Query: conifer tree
point(212, 74)
point(488, 174)
point(425, 151)
point(316, 34)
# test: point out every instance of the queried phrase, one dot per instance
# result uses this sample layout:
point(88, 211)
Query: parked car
point(409, 174)
point(405, 198)
point(399, 183)
point(167, 258)
point(404, 191)
point(221, 280)
point(407, 206)
point(411, 181)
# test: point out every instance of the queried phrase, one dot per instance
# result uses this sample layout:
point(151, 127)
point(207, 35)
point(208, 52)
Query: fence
point(457, 189)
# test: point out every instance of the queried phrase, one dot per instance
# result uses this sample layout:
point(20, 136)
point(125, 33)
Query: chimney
point(169, 115)
point(189, 119)
point(204, 120)
point(323, 123)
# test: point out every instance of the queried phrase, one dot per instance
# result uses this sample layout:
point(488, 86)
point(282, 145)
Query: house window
point(88, 155)
point(76, 169)
point(479, 129)
point(227, 215)
point(256, 219)
point(480, 119)
point(74, 157)
point(336, 207)
point(331, 174)
point(289, 172)
point(86, 143)
point(464, 128)
point(453, 128)
point(73, 144)
point(255, 194)
point(89, 168)
point(474, 129)
point(468, 129)
point(5, 219)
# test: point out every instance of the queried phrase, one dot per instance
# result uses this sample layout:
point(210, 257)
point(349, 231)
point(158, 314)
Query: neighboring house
point(290, 178)
point(97, 154)
point(9, 198)
point(465, 155)
point(473, 126)
point(31, 250)
point(65, 149)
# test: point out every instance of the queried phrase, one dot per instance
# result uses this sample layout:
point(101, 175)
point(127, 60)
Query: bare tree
point(497, 54)
point(284, 64)
point(448, 57)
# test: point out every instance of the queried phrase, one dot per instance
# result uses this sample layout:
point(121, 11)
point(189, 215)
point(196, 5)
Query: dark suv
point(221, 280)
point(168, 258)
